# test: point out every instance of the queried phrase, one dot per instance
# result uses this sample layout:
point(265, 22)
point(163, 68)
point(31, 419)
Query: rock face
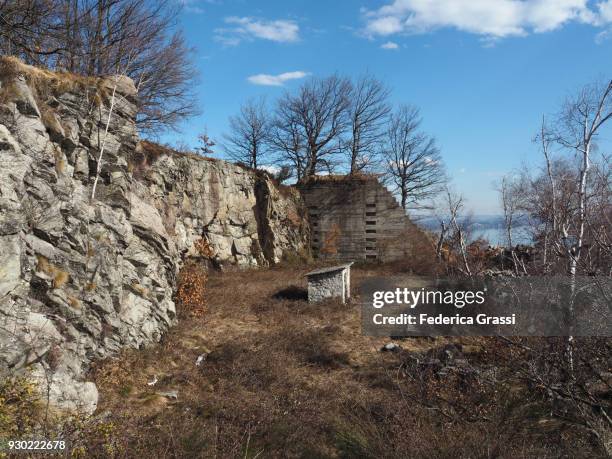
point(82, 277)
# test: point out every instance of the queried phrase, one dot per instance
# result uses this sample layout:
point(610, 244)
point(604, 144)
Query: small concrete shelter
point(331, 282)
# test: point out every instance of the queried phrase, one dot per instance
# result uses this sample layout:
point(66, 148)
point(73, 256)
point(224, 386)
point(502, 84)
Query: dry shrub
point(204, 248)
point(419, 255)
point(147, 153)
point(9, 67)
point(296, 258)
point(46, 84)
point(191, 290)
point(20, 407)
point(74, 302)
point(59, 276)
point(54, 356)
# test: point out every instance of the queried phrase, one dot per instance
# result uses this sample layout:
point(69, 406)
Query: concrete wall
point(356, 219)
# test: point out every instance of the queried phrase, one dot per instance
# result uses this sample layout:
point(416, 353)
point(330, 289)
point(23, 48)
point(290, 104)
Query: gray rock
point(81, 279)
point(391, 347)
point(173, 394)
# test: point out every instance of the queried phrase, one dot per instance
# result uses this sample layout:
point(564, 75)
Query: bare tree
point(369, 112)
point(454, 204)
point(247, 141)
point(580, 122)
point(510, 190)
point(287, 139)
point(206, 144)
point(412, 160)
point(95, 37)
point(599, 223)
point(441, 237)
point(317, 116)
point(545, 139)
point(21, 22)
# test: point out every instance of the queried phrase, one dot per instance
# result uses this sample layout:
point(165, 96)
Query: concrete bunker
point(356, 218)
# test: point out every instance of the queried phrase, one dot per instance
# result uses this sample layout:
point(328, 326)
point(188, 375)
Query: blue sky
point(482, 71)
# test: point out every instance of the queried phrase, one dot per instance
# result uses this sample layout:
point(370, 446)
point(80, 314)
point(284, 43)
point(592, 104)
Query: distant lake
point(497, 236)
point(489, 227)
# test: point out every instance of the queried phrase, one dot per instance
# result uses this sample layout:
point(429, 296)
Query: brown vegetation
point(204, 248)
point(355, 177)
point(191, 290)
point(279, 377)
point(20, 406)
point(59, 276)
point(46, 82)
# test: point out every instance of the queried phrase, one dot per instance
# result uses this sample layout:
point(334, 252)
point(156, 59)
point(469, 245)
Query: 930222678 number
point(31, 445)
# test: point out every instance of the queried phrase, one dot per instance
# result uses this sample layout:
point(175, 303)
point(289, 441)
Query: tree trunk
point(404, 198)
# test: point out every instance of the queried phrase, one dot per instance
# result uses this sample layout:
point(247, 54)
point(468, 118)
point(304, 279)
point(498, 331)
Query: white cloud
point(389, 45)
point(265, 79)
point(490, 18)
point(271, 169)
point(248, 28)
point(603, 36)
point(605, 11)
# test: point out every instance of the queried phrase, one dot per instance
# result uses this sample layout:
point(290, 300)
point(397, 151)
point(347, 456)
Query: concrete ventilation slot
point(370, 214)
point(370, 222)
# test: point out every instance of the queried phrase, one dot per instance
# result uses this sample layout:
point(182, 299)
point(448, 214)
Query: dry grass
point(357, 177)
point(280, 377)
point(46, 84)
point(147, 153)
point(58, 275)
point(45, 81)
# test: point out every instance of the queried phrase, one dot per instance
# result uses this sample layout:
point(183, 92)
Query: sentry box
point(330, 282)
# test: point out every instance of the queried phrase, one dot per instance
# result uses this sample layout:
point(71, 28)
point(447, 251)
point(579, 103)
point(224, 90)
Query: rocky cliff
point(82, 276)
